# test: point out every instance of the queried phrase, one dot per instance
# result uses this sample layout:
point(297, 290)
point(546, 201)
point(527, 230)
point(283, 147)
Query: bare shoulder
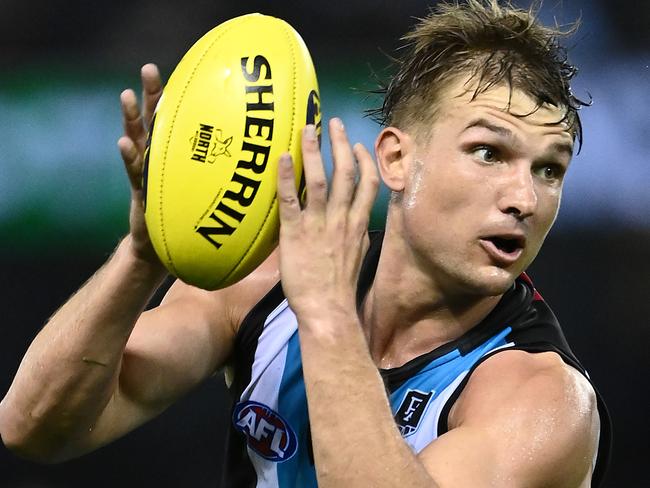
point(523, 377)
point(539, 409)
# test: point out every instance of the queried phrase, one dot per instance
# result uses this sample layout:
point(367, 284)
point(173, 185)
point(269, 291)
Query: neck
point(408, 311)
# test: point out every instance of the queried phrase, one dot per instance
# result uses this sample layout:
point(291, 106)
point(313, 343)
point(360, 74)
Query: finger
point(315, 179)
point(288, 202)
point(132, 119)
point(132, 161)
point(367, 188)
point(151, 91)
point(345, 171)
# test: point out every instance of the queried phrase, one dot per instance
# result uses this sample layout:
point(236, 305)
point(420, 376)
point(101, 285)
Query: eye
point(551, 172)
point(486, 154)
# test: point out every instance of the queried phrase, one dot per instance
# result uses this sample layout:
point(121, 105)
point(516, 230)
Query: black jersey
point(269, 441)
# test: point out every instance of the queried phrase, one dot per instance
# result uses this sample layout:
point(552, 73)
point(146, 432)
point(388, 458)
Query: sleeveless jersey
point(269, 444)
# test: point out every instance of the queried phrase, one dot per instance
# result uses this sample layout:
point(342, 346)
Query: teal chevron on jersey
point(298, 471)
point(420, 399)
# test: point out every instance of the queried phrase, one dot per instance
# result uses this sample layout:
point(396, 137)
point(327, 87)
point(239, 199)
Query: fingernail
point(310, 132)
point(338, 123)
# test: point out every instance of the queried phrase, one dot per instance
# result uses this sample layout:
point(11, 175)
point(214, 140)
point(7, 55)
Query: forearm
point(355, 440)
point(71, 369)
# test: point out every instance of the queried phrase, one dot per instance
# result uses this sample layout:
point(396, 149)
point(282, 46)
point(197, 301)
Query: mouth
point(504, 249)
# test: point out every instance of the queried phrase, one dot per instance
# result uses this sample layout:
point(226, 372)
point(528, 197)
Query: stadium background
point(63, 195)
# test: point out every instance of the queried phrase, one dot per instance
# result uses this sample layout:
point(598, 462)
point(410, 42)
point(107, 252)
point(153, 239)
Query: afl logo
point(267, 433)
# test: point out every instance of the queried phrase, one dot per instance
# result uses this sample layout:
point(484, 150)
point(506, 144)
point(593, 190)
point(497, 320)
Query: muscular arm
point(522, 420)
point(99, 369)
point(70, 371)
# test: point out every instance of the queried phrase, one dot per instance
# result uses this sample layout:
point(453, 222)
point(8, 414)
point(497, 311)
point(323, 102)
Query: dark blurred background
point(63, 195)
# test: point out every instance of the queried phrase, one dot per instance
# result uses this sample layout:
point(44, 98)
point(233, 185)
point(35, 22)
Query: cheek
point(460, 192)
point(548, 207)
point(433, 198)
point(443, 190)
point(453, 181)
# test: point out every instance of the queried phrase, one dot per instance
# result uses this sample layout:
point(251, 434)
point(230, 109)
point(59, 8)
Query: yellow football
point(237, 100)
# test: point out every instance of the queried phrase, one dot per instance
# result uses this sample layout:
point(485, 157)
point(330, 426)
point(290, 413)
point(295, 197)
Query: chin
point(491, 281)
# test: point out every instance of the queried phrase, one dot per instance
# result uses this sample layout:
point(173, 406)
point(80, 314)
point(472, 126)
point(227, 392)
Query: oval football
point(238, 99)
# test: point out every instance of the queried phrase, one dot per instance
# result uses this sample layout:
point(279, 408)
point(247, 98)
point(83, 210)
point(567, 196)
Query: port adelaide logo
point(267, 433)
point(409, 414)
point(209, 143)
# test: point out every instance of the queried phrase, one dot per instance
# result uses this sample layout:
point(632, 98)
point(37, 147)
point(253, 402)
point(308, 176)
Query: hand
point(132, 145)
point(322, 246)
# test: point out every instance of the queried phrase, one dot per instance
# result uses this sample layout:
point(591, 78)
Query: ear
point(394, 151)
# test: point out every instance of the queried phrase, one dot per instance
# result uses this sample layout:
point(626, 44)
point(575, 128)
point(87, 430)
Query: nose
point(518, 196)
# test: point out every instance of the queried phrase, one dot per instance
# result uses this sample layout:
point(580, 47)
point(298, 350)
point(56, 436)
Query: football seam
point(162, 171)
point(275, 198)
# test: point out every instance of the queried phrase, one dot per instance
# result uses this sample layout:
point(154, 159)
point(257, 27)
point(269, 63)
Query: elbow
point(27, 444)
point(25, 448)
point(32, 450)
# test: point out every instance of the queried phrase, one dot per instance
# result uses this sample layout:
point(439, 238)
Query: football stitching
point(162, 172)
point(273, 202)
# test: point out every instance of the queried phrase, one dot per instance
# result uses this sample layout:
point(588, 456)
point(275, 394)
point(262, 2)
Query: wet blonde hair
point(492, 42)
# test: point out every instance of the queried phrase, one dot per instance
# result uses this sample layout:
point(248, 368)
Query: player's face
point(485, 189)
